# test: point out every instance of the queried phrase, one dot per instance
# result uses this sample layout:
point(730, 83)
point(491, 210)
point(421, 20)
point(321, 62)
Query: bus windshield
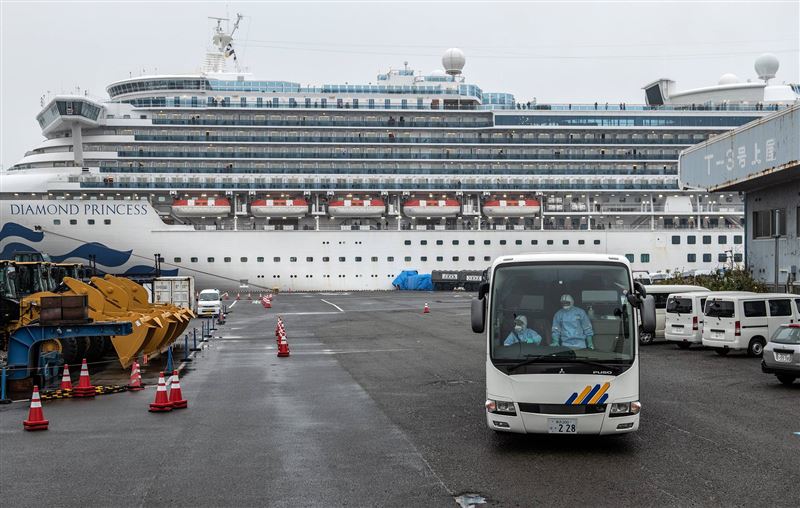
point(566, 312)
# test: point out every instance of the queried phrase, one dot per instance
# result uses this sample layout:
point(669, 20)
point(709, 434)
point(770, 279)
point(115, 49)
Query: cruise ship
point(242, 182)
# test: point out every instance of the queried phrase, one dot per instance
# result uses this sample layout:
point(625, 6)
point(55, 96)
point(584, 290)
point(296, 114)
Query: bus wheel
point(756, 346)
point(646, 338)
point(722, 351)
point(684, 345)
point(785, 379)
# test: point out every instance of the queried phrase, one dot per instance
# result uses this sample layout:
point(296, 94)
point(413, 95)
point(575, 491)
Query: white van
point(660, 293)
point(746, 322)
point(209, 303)
point(684, 319)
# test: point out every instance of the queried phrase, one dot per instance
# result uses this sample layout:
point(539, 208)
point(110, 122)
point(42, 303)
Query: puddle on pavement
point(470, 500)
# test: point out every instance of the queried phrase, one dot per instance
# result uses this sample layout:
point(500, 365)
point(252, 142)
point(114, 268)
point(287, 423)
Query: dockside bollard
point(3, 399)
point(169, 359)
point(186, 348)
point(194, 341)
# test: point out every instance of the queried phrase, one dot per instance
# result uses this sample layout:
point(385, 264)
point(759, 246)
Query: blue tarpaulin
point(413, 281)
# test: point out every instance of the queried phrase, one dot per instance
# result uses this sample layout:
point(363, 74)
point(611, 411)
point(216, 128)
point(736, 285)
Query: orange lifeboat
point(511, 208)
point(279, 207)
point(357, 208)
point(201, 207)
point(432, 208)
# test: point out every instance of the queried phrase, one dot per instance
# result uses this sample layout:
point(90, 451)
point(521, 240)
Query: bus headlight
point(625, 408)
point(500, 407)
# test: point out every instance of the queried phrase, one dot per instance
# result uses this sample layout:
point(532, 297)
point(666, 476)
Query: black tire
point(96, 349)
point(722, 351)
point(756, 347)
point(69, 351)
point(81, 347)
point(785, 378)
point(646, 338)
point(684, 345)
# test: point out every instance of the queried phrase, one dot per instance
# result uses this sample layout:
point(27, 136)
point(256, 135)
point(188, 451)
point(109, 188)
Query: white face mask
point(518, 328)
point(566, 305)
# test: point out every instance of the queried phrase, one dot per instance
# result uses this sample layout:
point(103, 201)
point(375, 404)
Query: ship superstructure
point(274, 184)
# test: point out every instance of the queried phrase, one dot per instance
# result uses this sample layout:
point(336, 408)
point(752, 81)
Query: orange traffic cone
point(161, 404)
point(267, 303)
point(283, 348)
point(250, 296)
point(426, 309)
point(175, 396)
point(238, 296)
point(135, 384)
point(35, 419)
point(66, 380)
point(84, 388)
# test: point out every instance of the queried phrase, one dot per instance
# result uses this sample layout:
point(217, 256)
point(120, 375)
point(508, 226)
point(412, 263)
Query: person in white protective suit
point(522, 334)
point(571, 326)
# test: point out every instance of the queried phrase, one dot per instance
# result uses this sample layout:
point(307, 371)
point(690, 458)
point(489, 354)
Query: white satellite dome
point(439, 73)
point(766, 66)
point(728, 79)
point(453, 61)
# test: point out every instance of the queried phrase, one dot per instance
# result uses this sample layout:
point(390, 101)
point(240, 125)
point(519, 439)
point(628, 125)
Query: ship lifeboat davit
point(279, 207)
point(432, 208)
point(357, 208)
point(511, 208)
point(201, 207)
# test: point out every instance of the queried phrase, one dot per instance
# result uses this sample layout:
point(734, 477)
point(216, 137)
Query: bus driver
point(571, 326)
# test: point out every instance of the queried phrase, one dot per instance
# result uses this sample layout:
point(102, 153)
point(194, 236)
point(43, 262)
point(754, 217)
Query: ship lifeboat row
point(279, 207)
point(432, 208)
point(201, 207)
point(511, 208)
point(357, 208)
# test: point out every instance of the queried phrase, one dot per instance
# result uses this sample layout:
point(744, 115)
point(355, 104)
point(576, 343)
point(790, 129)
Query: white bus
point(562, 352)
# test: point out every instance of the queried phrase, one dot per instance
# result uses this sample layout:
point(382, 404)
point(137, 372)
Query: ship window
point(722, 239)
point(407, 259)
point(722, 257)
point(471, 242)
point(423, 258)
point(691, 239)
point(90, 222)
point(549, 242)
point(644, 258)
point(630, 257)
point(276, 260)
point(342, 259)
point(423, 242)
point(293, 259)
point(518, 242)
point(706, 239)
point(259, 259)
point(737, 239)
point(597, 242)
point(57, 222)
point(439, 242)
point(487, 242)
point(326, 259)
point(193, 260)
point(706, 258)
point(210, 260)
point(227, 259)
point(502, 242)
point(676, 240)
point(455, 242)
point(439, 258)
point(455, 258)
point(407, 242)
point(73, 221)
point(565, 242)
point(358, 259)
point(581, 242)
point(107, 222)
point(390, 259)
point(737, 257)
point(471, 258)
point(243, 260)
point(309, 259)
point(487, 258)
point(691, 258)
point(534, 242)
point(176, 260)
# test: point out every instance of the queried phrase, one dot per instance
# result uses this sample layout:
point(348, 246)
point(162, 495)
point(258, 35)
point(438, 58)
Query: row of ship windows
point(676, 240)
point(90, 222)
point(692, 239)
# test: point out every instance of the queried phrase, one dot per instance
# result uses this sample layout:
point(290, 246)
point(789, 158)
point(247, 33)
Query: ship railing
point(244, 225)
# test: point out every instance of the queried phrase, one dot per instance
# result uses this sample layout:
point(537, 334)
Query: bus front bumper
point(536, 423)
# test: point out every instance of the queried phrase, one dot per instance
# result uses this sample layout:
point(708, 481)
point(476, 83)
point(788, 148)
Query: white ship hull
point(309, 260)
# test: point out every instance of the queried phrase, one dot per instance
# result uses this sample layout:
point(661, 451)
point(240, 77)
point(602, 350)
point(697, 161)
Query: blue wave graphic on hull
point(10, 248)
point(105, 256)
point(13, 229)
point(148, 270)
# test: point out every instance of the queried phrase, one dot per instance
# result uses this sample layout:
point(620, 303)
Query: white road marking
point(234, 303)
point(332, 304)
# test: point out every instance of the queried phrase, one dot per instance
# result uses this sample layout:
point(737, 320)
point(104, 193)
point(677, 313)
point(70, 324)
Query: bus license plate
point(783, 357)
point(562, 425)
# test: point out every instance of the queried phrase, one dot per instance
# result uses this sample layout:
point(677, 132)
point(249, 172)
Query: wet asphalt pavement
point(380, 405)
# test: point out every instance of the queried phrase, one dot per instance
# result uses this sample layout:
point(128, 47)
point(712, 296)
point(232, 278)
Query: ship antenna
point(223, 46)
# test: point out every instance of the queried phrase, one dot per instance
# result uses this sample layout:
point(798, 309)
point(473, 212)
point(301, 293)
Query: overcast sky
point(554, 51)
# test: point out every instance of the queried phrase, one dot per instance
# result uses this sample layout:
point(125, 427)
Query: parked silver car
point(782, 354)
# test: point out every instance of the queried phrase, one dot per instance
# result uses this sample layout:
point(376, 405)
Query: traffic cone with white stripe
point(66, 380)
point(175, 396)
point(35, 419)
point(426, 309)
point(135, 384)
point(84, 388)
point(161, 404)
point(283, 347)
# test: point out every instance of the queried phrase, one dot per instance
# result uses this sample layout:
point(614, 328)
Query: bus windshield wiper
point(533, 359)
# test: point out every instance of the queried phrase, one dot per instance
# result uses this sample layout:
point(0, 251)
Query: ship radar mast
point(222, 41)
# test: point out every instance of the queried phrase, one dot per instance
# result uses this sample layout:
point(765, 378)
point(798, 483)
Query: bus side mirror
point(648, 310)
point(483, 290)
point(478, 315)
